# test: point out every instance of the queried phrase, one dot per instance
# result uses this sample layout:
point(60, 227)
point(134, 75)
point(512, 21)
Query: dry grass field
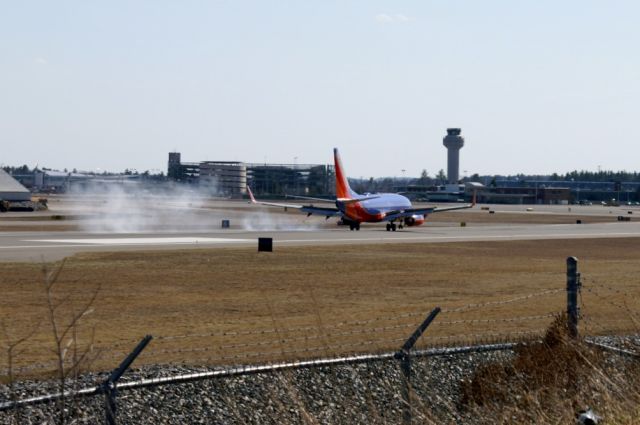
point(484, 217)
point(231, 306)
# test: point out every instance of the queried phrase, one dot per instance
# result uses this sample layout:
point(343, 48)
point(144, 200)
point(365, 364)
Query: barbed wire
point(358, 322)
point(587, 318)
point(107, 350)
point(288, 341)
point(18, 369)
point(294, 329)
point(499, 320)
point(596, 283)
point(283, 341)
point(273, 353)
point(481, 336)
point(603, 298)
point(502, 302)
point(595, 325)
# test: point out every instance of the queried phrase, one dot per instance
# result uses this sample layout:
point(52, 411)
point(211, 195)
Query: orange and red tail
point(343, 191)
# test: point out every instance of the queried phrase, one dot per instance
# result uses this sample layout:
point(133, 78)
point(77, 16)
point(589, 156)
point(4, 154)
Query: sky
point(536, 86)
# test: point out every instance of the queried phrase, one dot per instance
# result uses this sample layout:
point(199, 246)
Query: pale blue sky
point(537, 86)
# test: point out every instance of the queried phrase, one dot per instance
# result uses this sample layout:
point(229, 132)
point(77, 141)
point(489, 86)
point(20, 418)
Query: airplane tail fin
point(252, 199)
point(343, 191)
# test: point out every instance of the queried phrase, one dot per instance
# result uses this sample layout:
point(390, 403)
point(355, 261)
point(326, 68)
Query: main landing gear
point(354, 226)
point(391, 227)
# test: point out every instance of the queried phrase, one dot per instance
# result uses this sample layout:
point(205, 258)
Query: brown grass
point(548, 381)
point(475, 216)
point(45, 227)
point(220, 294)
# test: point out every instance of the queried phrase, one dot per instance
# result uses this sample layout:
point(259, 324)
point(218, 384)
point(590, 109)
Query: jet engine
point(414, 220)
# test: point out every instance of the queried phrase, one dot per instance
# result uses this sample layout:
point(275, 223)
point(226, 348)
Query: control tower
point(453, 141)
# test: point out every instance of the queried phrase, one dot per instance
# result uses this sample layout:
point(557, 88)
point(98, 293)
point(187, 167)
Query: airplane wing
point(396, 215)
point(327, 212)
point(309, 209)
point(459, 207)
point(310, 198)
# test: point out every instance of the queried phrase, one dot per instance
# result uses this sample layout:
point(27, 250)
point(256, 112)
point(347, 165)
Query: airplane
point(355, 209)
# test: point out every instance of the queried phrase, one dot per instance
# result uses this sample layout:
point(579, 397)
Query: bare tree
point(64, 318)
point(13, 351)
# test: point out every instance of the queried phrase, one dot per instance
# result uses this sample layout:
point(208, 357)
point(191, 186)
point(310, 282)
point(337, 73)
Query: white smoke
point(135, 207)
point(266, 219)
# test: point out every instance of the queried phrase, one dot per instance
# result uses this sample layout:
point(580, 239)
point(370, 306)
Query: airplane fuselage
point(368, 208)
point(374, 210)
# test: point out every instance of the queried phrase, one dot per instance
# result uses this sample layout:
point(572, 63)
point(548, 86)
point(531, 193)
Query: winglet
point(253, 200)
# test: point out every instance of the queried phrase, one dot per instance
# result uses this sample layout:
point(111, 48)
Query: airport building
point(291, 179)
point(525, 195)
point(575, 192)
point(50, 181)
point(186, 172)
point(11, 189)
point(230, 178)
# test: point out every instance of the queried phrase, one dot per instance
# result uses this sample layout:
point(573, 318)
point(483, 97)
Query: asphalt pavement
point(49, 246)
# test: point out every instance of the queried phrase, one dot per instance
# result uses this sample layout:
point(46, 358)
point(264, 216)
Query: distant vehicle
point(354, 209)
point(611, 203)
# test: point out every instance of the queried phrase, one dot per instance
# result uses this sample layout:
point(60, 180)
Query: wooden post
point(573, 286)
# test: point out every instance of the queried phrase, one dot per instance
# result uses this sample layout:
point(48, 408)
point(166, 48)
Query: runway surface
point(49, 246)
point(93, 223)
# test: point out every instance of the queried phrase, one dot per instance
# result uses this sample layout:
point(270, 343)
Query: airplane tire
point(388, 227)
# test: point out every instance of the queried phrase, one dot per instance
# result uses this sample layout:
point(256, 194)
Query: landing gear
point(354, 226)
point(391, 227)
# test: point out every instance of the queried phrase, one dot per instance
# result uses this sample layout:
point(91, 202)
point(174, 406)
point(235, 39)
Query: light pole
point(295, 174)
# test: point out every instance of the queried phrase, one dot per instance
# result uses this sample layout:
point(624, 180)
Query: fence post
point(573, 286)
point(110, 394)
point(404, 355)
point(109, 386)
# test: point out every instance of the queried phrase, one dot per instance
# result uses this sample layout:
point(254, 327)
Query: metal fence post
point(573, 286)
point(404, 355)
point(110, 403)
point(109, 386)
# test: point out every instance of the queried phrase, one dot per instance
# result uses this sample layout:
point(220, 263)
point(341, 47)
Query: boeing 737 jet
point(354, 208)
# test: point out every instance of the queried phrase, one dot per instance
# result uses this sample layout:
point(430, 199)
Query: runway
point(50, 246)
